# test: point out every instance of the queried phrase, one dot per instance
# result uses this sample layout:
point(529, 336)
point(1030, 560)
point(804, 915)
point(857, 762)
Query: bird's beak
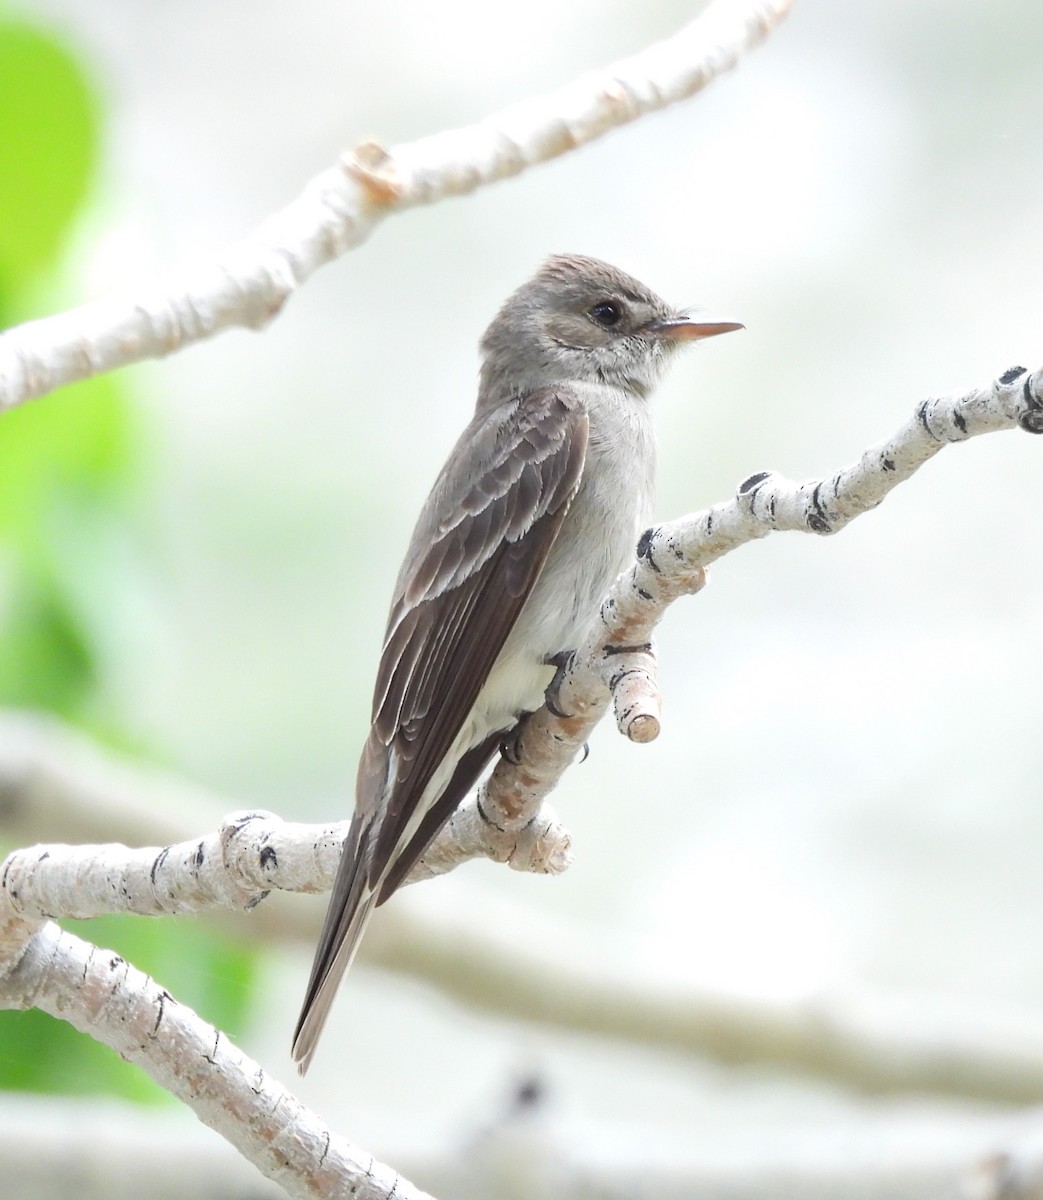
point(690, 329)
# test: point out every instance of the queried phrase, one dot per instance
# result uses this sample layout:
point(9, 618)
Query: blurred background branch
point(878, 1042)
point(525, 1141)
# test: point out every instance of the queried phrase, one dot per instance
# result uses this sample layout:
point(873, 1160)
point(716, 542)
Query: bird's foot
point(511, 742)
point(560, 662)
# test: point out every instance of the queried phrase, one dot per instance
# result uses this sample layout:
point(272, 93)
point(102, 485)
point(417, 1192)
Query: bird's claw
point(560, 662)
point(511, 745)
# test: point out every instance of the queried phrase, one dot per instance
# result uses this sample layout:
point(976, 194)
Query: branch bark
point(504, 821)
point(673, 558)
point(102, 995)
point(340, 207)
point(236, 867)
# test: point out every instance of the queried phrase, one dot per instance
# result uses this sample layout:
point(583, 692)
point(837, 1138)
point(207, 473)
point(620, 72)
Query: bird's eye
point(606, 314)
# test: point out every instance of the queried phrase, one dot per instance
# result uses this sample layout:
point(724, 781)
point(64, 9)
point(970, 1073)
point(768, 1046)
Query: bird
point(536, 511)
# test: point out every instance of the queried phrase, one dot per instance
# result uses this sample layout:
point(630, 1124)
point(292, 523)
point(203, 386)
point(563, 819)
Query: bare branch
point(672, 561)
point(250, 855)
point(102, 995)
point(617, 661)
point(340, 207)
point(886, 1043)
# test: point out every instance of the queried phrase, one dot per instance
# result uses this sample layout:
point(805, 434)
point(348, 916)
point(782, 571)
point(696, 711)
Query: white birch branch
point(234, 868)
point(340, 207)
point(877, 1043)
point(672, 561)
point(52, 778)
point(102, 995)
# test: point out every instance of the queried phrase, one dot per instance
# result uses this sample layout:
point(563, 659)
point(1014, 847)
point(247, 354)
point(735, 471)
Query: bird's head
point(581, 320)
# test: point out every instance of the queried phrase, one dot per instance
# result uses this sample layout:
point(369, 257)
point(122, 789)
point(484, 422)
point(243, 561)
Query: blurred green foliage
point(48, 148)
point(202, 968)
point(64, 460)
point(66, 498)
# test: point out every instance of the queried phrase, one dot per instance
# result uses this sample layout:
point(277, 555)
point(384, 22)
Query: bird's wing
point(465, 584)
point(479, 547)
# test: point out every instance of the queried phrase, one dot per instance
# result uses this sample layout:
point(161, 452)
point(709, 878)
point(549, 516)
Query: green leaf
point(47, 148)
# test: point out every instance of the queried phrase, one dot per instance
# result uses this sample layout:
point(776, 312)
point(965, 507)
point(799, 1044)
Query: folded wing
point(481, 542)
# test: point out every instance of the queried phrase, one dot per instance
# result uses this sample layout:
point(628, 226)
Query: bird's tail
point(351, 904)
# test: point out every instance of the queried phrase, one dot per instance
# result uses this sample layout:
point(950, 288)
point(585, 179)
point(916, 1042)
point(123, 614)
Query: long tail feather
point(351, 903)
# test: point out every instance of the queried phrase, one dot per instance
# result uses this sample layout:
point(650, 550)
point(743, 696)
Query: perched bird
point(537, 510)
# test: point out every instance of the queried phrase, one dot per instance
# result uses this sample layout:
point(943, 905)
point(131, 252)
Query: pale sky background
point(846, 793)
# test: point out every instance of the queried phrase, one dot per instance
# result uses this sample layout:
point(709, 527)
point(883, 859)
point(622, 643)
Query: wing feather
point(455, 617)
